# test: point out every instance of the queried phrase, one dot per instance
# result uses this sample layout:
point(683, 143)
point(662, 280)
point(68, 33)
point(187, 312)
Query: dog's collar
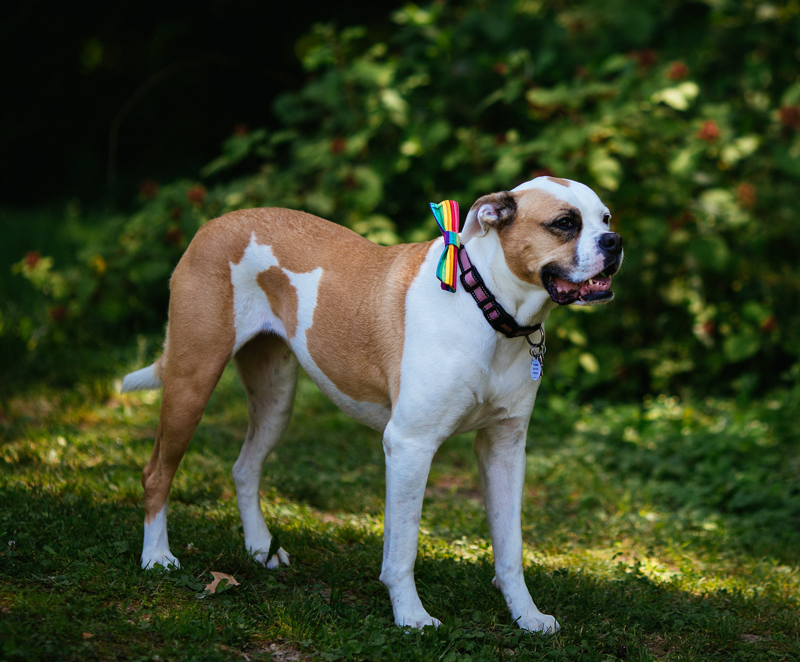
point(447, 218)
point(494, 313)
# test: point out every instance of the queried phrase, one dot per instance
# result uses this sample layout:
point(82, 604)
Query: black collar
point(494, 313)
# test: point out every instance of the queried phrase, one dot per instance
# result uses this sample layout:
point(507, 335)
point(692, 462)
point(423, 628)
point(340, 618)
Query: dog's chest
point(502, 388)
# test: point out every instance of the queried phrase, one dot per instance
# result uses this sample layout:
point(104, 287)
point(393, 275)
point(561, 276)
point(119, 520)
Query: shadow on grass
point(72, 571)
point(71, 517)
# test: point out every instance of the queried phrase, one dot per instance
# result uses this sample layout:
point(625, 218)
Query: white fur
point(251, 310)
point(247, 476)
point(141, 380)
point(501, 458)
point(155, 550)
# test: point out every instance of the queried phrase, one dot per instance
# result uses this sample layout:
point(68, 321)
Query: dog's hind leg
point(198, 349)
point(184, 399)
point(501, 458)
point(268, 371)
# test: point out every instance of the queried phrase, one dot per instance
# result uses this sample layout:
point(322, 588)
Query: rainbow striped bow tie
point(446, 215)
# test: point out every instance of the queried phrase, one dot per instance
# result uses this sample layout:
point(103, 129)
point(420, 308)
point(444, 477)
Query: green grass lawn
point(664, 530)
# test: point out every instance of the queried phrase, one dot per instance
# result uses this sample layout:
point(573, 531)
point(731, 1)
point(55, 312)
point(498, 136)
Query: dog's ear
point(491, 211)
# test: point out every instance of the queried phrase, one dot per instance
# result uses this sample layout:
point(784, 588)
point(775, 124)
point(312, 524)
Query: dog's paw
point(164, 559)
point(280, 557)
point(418, 621)
point(540, 623)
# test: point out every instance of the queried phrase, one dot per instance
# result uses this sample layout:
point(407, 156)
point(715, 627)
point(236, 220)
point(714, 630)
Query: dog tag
point(536, 369)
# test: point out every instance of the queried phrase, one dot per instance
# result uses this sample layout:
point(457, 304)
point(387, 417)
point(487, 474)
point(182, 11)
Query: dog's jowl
point(396, 350)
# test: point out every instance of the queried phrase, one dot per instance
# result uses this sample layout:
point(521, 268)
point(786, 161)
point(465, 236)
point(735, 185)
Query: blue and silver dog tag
point(536, 369)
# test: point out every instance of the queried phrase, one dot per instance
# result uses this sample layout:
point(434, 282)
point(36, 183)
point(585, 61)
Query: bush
point(684, 116)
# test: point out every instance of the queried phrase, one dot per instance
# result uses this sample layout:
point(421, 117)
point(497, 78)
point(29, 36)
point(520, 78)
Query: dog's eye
point(564, 223)
point(606, 218)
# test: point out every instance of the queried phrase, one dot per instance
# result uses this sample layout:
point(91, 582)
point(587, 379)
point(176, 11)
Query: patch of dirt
point(285, 653)
point(659, 647)
point(281, 651)
point(448, 485)
point(33, 408)
point(6, 602)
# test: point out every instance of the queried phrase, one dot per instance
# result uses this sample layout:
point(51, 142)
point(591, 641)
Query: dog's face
point(555, 234)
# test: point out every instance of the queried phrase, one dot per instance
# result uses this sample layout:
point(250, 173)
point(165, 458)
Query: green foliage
point(683, 115)
point(645, 541)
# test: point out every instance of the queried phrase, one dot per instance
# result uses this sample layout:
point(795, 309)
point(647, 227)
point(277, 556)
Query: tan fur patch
point(558, 180)
point(356, 336)
point(358, 331)
point(282, 297)
point(527, 245)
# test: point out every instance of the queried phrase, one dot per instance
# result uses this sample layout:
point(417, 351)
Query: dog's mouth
point(596, 289)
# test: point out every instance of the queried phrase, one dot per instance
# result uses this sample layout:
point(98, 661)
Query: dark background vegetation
point(684, 115)
point(179, 75)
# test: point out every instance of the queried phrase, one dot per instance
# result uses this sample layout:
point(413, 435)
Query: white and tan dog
point(271, 288)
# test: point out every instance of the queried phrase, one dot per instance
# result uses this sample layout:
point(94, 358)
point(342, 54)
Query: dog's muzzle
point(596, 289)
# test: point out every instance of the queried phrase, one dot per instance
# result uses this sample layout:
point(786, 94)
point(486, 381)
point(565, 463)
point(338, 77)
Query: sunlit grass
point(650, 533)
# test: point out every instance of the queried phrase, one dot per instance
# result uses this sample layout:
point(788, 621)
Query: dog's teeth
point(591, 282)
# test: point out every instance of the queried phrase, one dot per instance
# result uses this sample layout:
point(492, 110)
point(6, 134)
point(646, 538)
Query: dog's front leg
point(408, 462)
point(501, 457)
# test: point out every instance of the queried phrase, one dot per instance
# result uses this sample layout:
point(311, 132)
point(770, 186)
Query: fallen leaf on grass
point(219, 576)
point(87, 635)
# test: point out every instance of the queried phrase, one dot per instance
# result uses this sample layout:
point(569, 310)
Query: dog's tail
point(146, 379)
point(149, 378)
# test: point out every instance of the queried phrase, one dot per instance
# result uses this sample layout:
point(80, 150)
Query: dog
point(392, 347)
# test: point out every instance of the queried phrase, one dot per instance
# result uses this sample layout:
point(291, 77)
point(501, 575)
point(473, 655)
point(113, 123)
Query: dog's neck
point(528, 304)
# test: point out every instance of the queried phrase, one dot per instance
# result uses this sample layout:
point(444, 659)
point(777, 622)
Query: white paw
point(164, 559)
point(540, 623)
point(279, 557)
point(418, 621)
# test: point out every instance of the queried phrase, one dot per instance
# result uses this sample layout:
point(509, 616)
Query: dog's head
point(554, 234)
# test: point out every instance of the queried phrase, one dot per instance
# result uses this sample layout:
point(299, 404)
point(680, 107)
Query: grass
point(664, 530)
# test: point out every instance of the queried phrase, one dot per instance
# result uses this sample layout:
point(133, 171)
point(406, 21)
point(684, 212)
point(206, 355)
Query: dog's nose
point(610, 242)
